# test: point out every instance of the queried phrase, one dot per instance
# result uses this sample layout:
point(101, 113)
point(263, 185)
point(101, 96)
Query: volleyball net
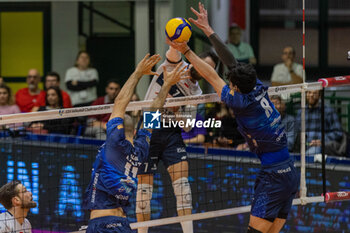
point(52, 153)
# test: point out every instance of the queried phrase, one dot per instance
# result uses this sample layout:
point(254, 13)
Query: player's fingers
point(155, 59)
point(180, 72)
point(185, 77)
point(154, 73)
point(200, 6)
point(178, 68)
point(195, 12)
point(169, 42)
point(146, 56)
point(152, 61)
point(193, 21)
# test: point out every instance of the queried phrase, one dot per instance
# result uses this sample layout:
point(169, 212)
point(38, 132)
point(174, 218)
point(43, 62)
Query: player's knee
point(143, 198)
point(253, 230)
point(182, 190)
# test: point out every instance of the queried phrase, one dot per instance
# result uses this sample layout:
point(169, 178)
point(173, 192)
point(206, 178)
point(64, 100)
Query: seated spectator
point(196, 135)
point(228, 135)
point(97, 124)
point(242, 51)
point(287, 72)
point(81, 81)
point(27, 97)
point(288, 121)
point(333, 130)
point(6, 103)
point(7, 106)
point(54, 100)
point(52, 79)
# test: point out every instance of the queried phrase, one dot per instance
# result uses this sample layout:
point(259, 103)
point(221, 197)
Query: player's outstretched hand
point(175, 75)
point(181, 47)
point(145, 65)
point(202, 19)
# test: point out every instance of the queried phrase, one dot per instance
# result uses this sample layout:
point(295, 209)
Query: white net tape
point(138, 105)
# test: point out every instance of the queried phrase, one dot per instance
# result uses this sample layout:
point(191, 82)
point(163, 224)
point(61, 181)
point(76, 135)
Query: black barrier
point(58, 173)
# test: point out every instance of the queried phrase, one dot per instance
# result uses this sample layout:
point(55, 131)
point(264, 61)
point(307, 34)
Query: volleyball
point(178, 29)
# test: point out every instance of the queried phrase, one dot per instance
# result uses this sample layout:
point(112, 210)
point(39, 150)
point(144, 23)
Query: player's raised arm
point(170, 79)
point(221, 49)
point(207, 72)
point(124, 96)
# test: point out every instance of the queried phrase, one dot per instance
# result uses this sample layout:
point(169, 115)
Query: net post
point(323, 144)
point(303, 189)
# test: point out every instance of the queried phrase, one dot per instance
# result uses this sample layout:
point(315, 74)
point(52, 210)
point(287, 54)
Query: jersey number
point(265, 104)
point(130, 169)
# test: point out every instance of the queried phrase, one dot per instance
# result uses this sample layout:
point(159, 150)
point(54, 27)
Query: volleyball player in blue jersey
point(260, 124)
point(113, 179)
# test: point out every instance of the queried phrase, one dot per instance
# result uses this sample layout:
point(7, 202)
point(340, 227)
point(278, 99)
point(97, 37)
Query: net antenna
point(303, 189)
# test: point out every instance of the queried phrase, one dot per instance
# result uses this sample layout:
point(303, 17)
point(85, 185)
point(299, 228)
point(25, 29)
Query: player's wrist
point(138, 73)
point(186, 51)
point(167, 83)
point(208, 31)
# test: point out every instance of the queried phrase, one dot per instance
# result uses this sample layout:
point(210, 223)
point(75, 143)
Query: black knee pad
point(252, 230)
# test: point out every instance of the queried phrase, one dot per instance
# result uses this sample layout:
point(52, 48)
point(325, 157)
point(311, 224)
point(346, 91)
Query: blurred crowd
point(82, 79)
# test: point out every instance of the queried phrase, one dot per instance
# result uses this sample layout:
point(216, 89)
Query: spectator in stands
point(81, 81)
point(18, 201)
point(288, 121)
point(97, 124)
point(242, 51)
point(228, 135)
point(54, 100)
point(287, 72)
point(27, 97)
point(52, 79)
point(6, 102)
point(196, 135)
point(333, 130)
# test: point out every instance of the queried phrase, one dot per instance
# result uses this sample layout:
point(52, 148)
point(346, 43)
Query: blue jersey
point(258, 121)
point(113, 179)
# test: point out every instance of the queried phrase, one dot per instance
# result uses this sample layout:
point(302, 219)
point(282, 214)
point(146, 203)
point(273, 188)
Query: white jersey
point(184, 87)
point(8, 224)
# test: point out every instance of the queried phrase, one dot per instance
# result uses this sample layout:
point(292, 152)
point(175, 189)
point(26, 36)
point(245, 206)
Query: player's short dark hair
point(243, 76)
point(210, 54)
point(53, 74)
point(7, 192)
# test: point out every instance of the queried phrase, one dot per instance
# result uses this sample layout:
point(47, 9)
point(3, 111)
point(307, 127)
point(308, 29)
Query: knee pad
point(182, 191)
point(143, 198)
point(252, 230)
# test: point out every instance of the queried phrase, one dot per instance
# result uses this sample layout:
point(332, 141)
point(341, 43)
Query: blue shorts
point(274, 190)
point(166, 145)
point(109, 224)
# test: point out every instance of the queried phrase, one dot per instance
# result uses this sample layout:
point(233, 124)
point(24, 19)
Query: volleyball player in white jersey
point(167, 145)
point(18, 201)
